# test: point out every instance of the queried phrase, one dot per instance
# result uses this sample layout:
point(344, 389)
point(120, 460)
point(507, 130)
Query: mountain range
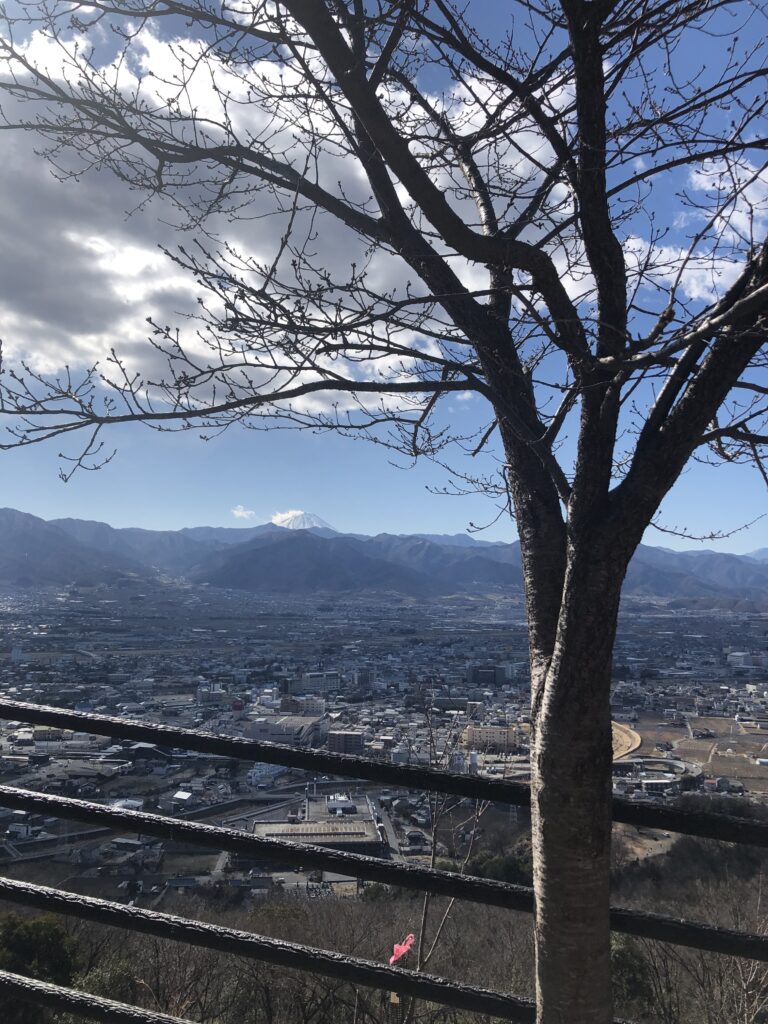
point(303, 559)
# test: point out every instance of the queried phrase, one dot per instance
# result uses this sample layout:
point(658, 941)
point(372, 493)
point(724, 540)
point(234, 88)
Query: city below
point(442, 681)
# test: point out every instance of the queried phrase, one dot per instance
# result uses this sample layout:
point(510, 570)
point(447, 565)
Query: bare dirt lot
point(653, 730)
point(633, 844)
point(189, 864)
point(730, 752)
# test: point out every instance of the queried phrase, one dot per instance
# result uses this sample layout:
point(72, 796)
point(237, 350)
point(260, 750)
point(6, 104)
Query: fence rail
point(724, 827)
point(408, 876)
point(356, 970)
point(68, 1000)
point(274, 951)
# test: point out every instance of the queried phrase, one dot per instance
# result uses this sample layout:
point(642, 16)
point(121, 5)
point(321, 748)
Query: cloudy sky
point(80, 273)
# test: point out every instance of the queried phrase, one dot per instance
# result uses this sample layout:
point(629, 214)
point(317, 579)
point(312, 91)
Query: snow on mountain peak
point(296, 519)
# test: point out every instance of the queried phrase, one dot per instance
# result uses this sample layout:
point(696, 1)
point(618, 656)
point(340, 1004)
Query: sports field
point(625, 740)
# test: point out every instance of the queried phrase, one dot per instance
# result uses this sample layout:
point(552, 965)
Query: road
point(221, 861)
point(394, 845)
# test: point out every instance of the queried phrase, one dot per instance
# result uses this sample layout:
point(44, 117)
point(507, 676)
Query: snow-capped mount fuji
point(296, 519)
point(297, 556)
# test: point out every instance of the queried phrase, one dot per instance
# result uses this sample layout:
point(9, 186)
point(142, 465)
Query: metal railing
point(292, 955)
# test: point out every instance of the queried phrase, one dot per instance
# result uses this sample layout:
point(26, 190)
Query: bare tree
point(566, 220)
point(717, 987)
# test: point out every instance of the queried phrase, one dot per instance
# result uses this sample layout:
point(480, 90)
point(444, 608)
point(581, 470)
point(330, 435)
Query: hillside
point(284, 560)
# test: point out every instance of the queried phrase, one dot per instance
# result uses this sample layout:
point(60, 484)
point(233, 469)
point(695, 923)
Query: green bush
point(36, 947)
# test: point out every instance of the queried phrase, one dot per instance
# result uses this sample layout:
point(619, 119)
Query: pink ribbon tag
point(401, 948)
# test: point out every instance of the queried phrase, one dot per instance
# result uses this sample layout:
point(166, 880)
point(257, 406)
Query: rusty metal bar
point(654, 926)
point(258, 947)
point(322, 762)
point(375, 869)
point(727, 828)
point(724, 827)
point(43, 993)
point(446, 883)
point(691, 934)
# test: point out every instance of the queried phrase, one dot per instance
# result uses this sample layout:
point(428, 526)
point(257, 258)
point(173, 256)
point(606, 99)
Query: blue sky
point(170, 481)
point(76, 277)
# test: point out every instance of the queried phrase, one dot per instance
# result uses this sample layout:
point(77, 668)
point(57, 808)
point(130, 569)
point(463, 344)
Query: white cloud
point(699, 275)
point(241, 512)
point(77, 278)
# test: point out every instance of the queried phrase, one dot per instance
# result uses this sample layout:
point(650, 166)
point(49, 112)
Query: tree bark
point(571, 758)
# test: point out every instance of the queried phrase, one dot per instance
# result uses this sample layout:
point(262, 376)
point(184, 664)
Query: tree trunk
point(571, 757)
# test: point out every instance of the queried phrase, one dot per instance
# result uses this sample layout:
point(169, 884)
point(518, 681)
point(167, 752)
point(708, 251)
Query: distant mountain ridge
point(282, 560)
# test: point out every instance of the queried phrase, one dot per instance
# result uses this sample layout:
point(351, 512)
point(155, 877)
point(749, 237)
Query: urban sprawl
point(442, 683)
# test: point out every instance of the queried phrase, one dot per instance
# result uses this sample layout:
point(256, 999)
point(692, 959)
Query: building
point(490, 737)
point(341, 833)
point(486, 675)
point(339, 804)
point(345, 741)
point(306, 705)
point(363, 678)
point(263, 774)
point(292, 730)
point(317, 682)
point(336, 821)
point(211, 693)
